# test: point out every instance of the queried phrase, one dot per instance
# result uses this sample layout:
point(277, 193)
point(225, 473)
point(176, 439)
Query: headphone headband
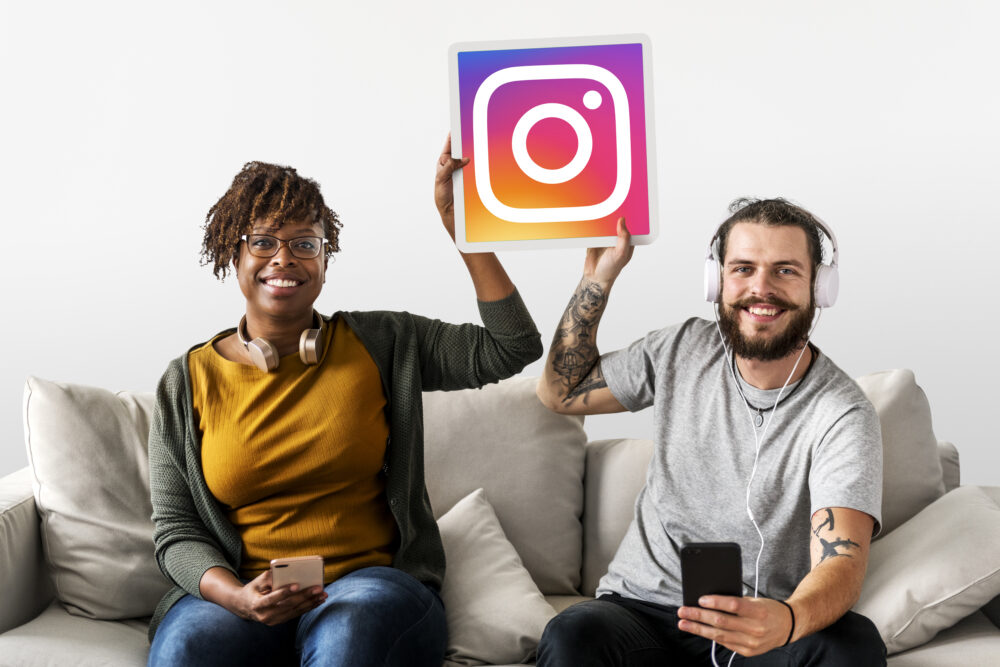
point(827, 279)
point(264, 354)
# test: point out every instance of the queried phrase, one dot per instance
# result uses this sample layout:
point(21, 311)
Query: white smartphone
point(306, 571)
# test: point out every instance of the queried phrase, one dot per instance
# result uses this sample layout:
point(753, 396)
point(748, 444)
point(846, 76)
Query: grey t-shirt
point(822, 449)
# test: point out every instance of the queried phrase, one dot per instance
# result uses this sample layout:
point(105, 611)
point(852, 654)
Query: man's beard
point(767, 349)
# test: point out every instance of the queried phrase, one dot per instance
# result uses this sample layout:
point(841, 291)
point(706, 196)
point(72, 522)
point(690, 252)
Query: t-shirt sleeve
point(847, 465)
point(631, 374)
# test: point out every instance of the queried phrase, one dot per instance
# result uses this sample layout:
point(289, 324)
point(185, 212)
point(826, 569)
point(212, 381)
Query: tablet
point(560, 137)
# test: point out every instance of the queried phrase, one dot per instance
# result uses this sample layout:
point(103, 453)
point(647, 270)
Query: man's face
point(767, 302)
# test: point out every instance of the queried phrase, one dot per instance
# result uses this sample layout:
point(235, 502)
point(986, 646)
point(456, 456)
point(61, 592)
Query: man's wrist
point(791, 630)
point(601, 282)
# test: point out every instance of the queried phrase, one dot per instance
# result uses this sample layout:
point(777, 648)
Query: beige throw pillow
point(87, 450)
point(495, 612)
point(934, 570)
point(912, 477)
point(528, 459)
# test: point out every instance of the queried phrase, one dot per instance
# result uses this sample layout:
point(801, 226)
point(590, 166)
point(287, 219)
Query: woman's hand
point(444, 197)
point(255, 600)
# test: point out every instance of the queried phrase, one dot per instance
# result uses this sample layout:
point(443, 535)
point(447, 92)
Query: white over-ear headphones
point(827, 283)
point(264, 354)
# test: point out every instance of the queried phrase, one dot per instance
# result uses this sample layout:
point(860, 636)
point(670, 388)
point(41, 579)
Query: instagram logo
point(559, 137)
point(592, 100)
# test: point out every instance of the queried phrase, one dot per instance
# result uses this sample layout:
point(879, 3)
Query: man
point(764, 425)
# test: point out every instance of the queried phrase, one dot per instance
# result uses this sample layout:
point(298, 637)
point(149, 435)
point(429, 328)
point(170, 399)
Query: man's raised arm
point(572, 382)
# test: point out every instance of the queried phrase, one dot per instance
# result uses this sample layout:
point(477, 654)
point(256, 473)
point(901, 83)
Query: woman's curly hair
point(263, 191)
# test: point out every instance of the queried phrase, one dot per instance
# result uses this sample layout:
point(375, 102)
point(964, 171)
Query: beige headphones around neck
point(264, 354)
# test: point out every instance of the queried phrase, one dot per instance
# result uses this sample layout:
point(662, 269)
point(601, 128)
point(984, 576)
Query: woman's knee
point(196, 632)
point(375, 616)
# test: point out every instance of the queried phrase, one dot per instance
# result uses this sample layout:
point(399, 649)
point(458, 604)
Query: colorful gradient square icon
point(560, 137)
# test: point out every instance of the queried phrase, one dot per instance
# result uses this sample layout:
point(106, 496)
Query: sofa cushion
point(23, 579)
point(58, 638)
point(616, 471)
point(87, 450)
point(951, 473)
point(496, 614)
point(972, 641)
point(912, 475)
point(935, 569)
point(529, 461)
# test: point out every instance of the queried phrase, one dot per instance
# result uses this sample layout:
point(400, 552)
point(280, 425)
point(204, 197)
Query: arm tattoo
point(575, 359)
point(595, 380)
point(830, 547)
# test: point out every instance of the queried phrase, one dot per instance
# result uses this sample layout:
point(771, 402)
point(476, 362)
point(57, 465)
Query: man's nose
point(762, 284)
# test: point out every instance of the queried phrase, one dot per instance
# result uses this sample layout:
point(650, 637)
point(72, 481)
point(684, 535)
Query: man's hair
point(773, 213)
point(269, 192)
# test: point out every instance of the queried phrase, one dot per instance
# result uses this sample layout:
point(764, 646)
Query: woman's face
point(282, 286)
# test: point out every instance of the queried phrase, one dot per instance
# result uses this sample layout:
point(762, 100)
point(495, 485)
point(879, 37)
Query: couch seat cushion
point(972, 641)
point(56, 638)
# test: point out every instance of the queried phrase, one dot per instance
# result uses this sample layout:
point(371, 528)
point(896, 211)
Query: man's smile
point(763, 312)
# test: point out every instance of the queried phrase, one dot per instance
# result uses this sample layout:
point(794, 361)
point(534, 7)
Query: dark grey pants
point(613, 631)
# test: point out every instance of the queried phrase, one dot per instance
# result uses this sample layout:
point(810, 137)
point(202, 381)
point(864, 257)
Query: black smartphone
point(710, 568)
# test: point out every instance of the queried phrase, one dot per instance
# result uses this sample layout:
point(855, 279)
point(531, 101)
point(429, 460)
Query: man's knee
point(577, 636)
point(853, 641)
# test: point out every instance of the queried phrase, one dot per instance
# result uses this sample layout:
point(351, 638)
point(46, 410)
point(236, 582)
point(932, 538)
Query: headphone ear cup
point(263, 354)
point(310, 346)
point(827, 285)
point(712, 287)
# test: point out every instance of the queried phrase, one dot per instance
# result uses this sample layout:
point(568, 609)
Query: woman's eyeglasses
point(304, 247)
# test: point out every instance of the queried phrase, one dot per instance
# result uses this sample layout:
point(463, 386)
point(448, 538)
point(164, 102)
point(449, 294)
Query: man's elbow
point(549, 398)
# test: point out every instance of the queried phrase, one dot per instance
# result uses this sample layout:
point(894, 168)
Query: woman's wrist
point(221, 586)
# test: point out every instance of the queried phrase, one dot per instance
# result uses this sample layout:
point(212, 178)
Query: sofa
point(530, 514)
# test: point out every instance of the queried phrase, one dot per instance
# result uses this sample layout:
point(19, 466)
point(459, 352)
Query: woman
point(296, 434)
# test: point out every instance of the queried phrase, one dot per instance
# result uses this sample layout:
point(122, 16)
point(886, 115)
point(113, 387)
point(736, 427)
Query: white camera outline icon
point(623, 146)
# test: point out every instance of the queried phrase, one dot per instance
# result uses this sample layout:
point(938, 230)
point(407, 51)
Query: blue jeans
point(373, 616)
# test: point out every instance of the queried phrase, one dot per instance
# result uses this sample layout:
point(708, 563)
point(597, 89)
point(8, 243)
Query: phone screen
point(710, 568)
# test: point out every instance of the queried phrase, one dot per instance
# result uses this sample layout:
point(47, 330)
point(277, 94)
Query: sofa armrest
point(950, 471)
point(25, 586)
point(992, 608)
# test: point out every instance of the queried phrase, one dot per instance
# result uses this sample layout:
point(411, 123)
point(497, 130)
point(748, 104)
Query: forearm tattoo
point(575, 359)
point(836, 546)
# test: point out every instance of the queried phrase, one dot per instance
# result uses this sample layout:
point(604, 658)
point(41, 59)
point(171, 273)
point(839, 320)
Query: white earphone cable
point(758, 441)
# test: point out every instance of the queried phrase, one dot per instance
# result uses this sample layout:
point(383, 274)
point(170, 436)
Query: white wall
point(122, 123)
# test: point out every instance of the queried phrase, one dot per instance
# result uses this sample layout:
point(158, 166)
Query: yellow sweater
point(295, 456)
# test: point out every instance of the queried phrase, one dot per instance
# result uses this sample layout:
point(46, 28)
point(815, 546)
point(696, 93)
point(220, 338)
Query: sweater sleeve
point(461, 356)
point(183, 545)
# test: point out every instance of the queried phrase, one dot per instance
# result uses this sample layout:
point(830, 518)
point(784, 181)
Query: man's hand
point(444, 197)
point(749, 626)
point(604, 264)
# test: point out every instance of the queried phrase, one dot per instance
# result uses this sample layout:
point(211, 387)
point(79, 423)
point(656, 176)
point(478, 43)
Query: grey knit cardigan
point(413, 354)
